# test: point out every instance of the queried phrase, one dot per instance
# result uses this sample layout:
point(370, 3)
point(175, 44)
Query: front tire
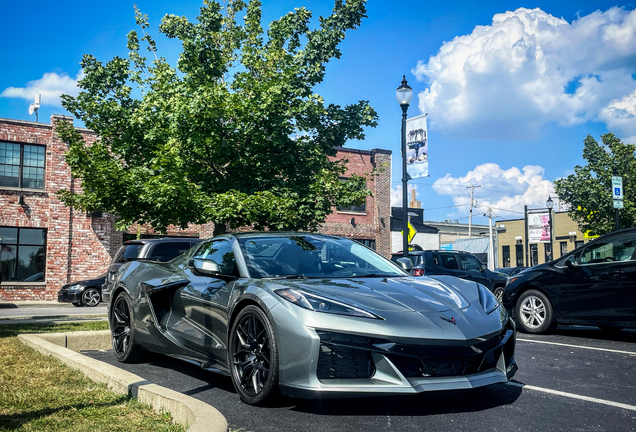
point(254, 356)
point(91, 297)
point(122, 330)
point(535, 313)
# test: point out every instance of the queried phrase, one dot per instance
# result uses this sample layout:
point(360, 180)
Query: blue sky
point(511, 93)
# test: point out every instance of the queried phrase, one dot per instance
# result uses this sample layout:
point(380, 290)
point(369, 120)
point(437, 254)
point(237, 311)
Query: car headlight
point(319, 303)
point(74, 288)
point(487, 299)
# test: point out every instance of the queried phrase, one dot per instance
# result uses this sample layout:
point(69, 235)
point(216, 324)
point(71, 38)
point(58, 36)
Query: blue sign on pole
point(446, 246)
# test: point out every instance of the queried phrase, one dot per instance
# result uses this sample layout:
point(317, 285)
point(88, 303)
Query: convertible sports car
point(311, 315)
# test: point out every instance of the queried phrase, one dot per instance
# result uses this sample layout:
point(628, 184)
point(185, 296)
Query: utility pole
point(491, 253)
point(470, 215)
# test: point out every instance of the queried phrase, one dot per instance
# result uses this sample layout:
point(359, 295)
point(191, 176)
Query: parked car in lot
point(83, 293)
point(593, 285)
point(510, 271)
point(455, 263)
point(311, 315)
point(156, 249)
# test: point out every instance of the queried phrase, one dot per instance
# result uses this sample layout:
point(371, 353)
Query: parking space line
point(578, 346)
point(574, 396)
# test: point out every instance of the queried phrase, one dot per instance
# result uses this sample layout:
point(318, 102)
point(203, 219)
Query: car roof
point(163, 240)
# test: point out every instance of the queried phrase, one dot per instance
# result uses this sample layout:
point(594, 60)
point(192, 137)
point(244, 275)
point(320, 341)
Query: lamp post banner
point(417, 147)
point(539, 228)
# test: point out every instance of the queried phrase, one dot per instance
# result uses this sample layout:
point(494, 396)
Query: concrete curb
point(184, 409)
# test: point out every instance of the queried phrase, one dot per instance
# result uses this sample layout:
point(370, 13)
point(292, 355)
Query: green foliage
point(588, 191)
point(234, 134)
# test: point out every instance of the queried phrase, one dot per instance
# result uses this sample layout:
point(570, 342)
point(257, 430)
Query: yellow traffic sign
point(412, 232)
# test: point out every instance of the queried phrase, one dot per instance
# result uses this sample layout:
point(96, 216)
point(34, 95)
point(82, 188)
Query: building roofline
point(364, 152)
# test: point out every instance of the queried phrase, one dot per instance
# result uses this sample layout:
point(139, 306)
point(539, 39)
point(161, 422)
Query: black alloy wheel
point(122, 331)
point(91, 297)
point(254, 356)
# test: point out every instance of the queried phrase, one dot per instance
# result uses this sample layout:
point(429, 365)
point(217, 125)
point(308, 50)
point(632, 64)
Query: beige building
point(516, 251)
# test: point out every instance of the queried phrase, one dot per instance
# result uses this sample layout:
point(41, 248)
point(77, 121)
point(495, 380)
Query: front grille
point(349, 356)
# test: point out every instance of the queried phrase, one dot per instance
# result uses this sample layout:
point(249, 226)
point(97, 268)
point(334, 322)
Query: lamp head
point(404, 93)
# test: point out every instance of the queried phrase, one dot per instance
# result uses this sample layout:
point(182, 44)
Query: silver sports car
point(311, 315)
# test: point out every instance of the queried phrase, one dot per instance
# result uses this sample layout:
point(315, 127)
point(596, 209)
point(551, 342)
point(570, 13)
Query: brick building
point(45, 244)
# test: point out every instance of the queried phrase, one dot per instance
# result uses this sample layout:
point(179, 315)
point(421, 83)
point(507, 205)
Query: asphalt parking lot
point(576, 379)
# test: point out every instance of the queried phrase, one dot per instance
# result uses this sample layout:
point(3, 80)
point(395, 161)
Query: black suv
point(454, 263)
point(156, 249)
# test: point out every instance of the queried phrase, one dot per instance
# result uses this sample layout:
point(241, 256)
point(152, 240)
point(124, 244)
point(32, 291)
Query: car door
point(473, 269)
point(202, 325)
point(600, 286)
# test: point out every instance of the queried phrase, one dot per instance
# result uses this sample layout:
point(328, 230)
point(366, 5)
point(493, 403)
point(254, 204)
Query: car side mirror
point(569, 263)
point(405, 263)
point(208, 268)
point(483, 268)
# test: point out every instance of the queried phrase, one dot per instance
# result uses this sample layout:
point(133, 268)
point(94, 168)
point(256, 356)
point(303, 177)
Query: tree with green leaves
point(588, 192)
point(233, 135)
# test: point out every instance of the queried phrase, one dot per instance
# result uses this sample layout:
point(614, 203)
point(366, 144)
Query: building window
point(22, 165)
point(578, 243)
point(362, 208)
point(23, 254)
point(534, 255)
point(519, 255)
point(564, 248)
point(505, 255)
point(368, 243)
point(547, 251)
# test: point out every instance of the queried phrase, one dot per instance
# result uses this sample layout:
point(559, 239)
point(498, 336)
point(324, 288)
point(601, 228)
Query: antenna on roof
point(35, 106)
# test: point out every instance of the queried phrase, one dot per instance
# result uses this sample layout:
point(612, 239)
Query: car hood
point(422, 294)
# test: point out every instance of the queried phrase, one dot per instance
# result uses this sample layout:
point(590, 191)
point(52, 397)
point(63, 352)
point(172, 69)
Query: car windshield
point(313, 256)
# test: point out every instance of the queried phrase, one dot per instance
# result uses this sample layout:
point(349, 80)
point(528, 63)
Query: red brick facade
point(80, 246)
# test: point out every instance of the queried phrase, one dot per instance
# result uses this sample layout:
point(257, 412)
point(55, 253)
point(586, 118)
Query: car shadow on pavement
point(423, 404)
point(591, 332)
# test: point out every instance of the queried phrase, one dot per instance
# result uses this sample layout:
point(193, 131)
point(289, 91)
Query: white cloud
point(507, 191)
point(620, 115)
point(51, 86)
point(528, 68)
point(396, 195)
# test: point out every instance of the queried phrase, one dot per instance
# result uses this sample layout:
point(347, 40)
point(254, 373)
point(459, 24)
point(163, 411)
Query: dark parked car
point(593, 285)
point(155, 249)
point(510, 271)
point(83, 293)
point(455, 263)
point(312, 315)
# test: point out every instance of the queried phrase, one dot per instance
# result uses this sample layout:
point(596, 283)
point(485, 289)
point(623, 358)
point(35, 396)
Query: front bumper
point(69, 296)
point(350, 365)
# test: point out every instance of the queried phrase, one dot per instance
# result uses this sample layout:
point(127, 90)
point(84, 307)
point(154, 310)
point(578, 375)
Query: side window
point(436, 259)
point(619, 248)
point(470, 263)
point(168, 251)
point(219, 251)
point(449, 261)
point(130, 251)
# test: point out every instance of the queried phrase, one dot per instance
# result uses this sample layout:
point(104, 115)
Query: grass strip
point(39, 393)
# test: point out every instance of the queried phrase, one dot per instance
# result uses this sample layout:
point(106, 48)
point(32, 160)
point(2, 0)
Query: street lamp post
point(404, 93)
point(550, 205)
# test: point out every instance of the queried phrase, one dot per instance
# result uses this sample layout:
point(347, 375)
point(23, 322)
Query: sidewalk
point(33, 304)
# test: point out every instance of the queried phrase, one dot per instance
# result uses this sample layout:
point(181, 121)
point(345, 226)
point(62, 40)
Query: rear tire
point(122, 330)
point(535, 313)
point(253, 357)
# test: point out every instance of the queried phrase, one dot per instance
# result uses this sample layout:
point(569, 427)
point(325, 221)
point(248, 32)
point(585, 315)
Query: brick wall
point(77, 246)
point(366, 225)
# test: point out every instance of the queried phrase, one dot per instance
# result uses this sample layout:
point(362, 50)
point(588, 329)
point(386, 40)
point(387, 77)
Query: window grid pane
point(33, 178)
point(9, 153)
point(24, 258)
point(33, 156)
